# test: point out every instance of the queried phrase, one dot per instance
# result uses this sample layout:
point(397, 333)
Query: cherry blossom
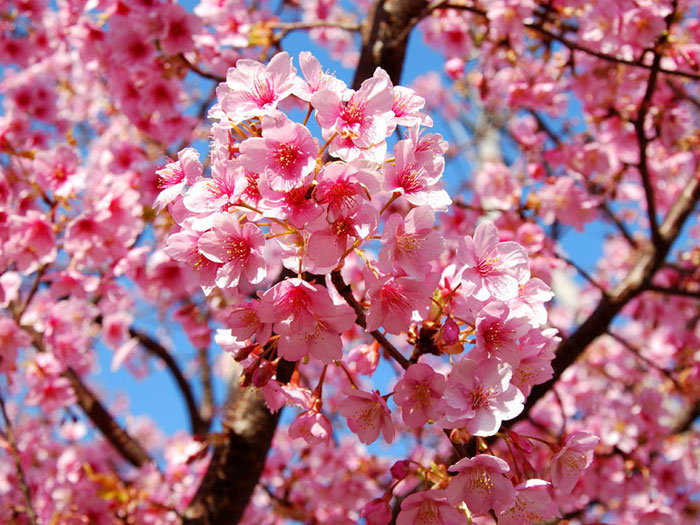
point(575, 456)
point(481, 484)
point(479, 396)
point(367, 415)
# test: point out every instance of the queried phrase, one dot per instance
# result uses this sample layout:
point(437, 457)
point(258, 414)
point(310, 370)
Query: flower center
point(286, 155)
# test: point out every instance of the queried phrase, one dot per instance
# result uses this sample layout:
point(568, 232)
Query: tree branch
point(31, 513)
point(197, 423)
point(126, 445)
point(237, 461)
point(385, 35)
point(674, 291)
point(346, 292)
point(637, 281)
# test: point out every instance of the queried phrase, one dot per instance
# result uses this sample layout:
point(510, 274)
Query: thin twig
point(31, 514)
point(583, 272)
point(195, 69)
point(637, 352)
point(643, 142)
point(198, 425)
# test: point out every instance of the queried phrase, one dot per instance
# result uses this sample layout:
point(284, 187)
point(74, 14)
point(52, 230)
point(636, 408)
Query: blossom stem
point(328, 143)
point(308, 114)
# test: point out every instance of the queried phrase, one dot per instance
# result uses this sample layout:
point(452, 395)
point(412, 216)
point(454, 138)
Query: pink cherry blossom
point(479, 396)
point(497, 333)
point(285, 154)
point(237, 248)
point(393, 301)
point(363, 119)
point(532, 504)
point(311, 426)
point(253, 89)
point(573, 459)
point(11, 339)
point(416, 177)
point(481, 484)
point(173, 178)
point(429, 507)
point(323, 340)
point(316, 79)
point(329, 241)
point(419, 394)
point(342, 188)
point(410, 242)
point(491, 264)
point(377, 512)
point(367, 415)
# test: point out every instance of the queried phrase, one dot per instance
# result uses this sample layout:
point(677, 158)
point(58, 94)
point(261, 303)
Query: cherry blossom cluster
point(316, 237)
point(324, 208)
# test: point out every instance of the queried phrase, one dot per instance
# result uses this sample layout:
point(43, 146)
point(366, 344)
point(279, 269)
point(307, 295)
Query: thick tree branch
point(206, 408)
point(385, 36)
point(237, 462)
point(125, 444)
point(674, 291)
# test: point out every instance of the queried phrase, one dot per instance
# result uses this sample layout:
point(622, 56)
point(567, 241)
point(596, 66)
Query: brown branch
point(195, 69)
point(643, 142)
point(674, 291)
point(288, 27)
point(385, 35)
point(237, 461)
point(583, 272)
point(125, 444)
point(197, 423)
point(24, 487)
point(346, 292)
point(619, 224)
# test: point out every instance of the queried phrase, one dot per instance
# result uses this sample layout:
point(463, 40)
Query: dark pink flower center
point(341, 194)
point(353, 113)
point(341, 228)
point(485, 266)
point(393, 298)
point(263, 92)
point(171, 175)
point(286, 155)
point(410, 179)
